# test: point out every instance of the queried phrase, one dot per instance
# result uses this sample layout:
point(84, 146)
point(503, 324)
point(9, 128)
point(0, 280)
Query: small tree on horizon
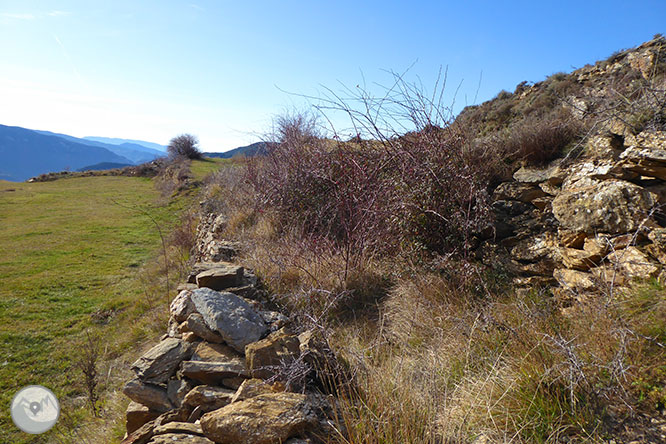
point(184, 145)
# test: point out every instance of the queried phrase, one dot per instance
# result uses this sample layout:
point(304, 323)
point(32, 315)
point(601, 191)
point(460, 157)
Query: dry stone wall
point(211, 379)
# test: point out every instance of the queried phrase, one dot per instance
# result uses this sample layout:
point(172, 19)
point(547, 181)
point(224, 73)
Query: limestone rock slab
point(221, 277)
point(150, 395)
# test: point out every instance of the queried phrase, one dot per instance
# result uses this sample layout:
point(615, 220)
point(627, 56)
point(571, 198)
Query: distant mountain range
point(135, 151)
point(26, 153)
point(115, 141)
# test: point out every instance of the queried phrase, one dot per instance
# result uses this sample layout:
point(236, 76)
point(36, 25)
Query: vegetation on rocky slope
point(444, 277)
point(493, 278)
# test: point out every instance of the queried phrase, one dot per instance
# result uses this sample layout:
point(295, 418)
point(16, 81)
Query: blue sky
point(153, 69)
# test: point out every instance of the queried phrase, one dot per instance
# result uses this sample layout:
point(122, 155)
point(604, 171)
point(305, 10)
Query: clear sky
point(153, 69)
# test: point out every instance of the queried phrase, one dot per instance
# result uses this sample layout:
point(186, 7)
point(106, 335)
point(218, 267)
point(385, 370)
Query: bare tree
point(184, 145)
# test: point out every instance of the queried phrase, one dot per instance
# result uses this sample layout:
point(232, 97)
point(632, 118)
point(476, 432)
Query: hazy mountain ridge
point(133, 151)
point(26, 153)
point(119, 141)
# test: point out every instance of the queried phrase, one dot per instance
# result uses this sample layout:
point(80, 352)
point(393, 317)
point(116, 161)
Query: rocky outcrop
point(195, 386)
point(160, 362)
point(588, 224)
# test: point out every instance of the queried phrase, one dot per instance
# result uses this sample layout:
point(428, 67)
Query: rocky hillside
point(572, 212)
point(593, 220)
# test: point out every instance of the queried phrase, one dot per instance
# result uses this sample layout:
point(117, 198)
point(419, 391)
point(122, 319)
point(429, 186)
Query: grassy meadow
point(74, 259)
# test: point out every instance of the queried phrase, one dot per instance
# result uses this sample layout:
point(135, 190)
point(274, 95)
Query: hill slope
point(498, 278)
point(104, 166)
point(254, 149)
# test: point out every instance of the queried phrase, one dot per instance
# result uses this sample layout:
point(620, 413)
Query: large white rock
point(234, 319)
point(181, 307)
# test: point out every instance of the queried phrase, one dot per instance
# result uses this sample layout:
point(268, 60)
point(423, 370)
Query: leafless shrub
point(90, 355)
point(183, 237)
point(391, 190)
point(318, 365)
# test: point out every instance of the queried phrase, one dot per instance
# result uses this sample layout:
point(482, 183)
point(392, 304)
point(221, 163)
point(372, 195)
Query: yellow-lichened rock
point(574, 280)
point(610, 206)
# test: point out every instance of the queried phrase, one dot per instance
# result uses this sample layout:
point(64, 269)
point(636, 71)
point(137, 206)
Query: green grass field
point(202, 168)
point(69, 249)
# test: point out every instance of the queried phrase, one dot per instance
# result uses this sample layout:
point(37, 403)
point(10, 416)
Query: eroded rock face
point(178, 427)
point(604, 146)
point(195, 323)
point(177, 389)
point(521, 192)
point(229, 315)
point(180, 438)
point(213, 372)
point(216, 353)
point(251, 388)
point(142, 435)
point(574, 280)
point(646, 161)
point(579, 259)
point(137, 415)
point(264, 419)
point(611, 206)
point(633, 263)
point(536, 248)
point(553, 174)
